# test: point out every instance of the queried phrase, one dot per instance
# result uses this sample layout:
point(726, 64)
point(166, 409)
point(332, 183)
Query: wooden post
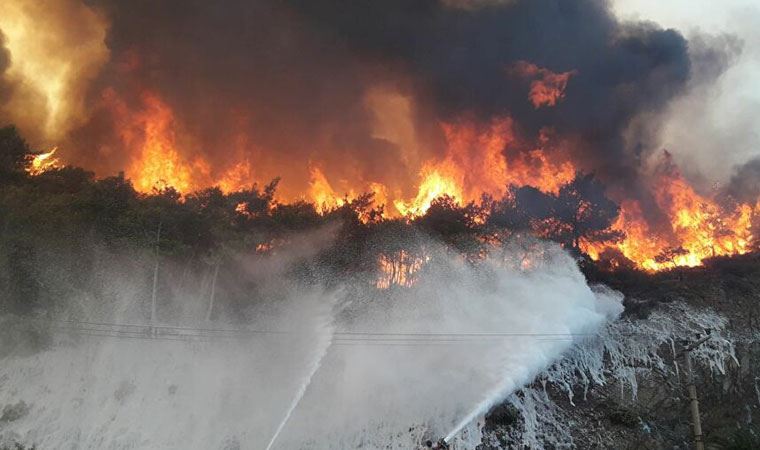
point(213, 290)
point(696, 423)
point(155, 279)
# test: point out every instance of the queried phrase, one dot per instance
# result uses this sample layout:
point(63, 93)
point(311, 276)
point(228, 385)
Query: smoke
point(744, 184)
point(5, 60)
point(403, 364)
point(718, 111)
point(54, 50)
point(285, 85)
point(623, 70)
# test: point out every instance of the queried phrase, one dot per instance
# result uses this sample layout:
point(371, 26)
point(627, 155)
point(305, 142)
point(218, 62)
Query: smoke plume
point(274, 83)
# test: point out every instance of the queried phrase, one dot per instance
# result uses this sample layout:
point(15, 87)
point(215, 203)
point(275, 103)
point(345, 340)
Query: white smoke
point(398, 366)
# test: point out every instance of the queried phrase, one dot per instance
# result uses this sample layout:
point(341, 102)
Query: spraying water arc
point(313, 369)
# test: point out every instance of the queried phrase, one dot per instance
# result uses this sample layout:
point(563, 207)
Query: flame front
point(462, 156)
point(698, 227)
point(476, 160)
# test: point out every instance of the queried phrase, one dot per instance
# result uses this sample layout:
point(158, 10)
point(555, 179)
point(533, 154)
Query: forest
point(58, 217)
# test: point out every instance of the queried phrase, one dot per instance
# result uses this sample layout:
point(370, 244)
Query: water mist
point(384, 369)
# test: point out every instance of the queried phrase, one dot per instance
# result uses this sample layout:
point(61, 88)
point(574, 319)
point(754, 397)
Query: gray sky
point(717, 127)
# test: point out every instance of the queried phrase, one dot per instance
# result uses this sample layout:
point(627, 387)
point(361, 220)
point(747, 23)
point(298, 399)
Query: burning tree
point(670, 254)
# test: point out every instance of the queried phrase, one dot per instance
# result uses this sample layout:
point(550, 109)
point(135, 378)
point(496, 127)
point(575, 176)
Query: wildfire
point(429, 129)
point(475, 163)
point(477, 158)
point(159, 161)
point(698, 228)
point(160, 164)
point(322, 194)
point(238, 177)
point(547, 87)
point(42, 162)
point(398, 270)
point(434, 185)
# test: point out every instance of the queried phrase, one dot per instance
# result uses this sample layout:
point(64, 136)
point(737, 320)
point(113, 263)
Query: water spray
point(304, 386)
point(497, 393)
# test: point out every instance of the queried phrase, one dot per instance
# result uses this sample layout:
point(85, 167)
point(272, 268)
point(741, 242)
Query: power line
point(348, 334)
point(341, 338)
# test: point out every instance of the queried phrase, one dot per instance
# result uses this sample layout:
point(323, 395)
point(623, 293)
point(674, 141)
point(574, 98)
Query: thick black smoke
point(293, 74)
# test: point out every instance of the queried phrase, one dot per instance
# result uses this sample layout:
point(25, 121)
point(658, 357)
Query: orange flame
point(547, 88)
point(42, 162)
point(436, 183)
point(477, 158)
point(398, 269)
point(158, 159)
point(699, 228)
point(322, 194)
point(160, 164)
point(475, 163)
point(240, 176)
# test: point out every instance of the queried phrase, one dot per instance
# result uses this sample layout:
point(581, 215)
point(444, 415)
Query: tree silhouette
point(13, 153)
point(452, 224)
point(669, 254)
point(522, 209)
point(584, 212)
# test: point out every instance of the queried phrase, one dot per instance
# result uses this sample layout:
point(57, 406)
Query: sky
point(714, 127)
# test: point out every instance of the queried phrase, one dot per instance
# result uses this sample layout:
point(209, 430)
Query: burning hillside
point(410, 102)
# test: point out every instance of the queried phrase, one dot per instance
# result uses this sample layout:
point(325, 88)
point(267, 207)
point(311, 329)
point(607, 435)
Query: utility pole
point(213, 290)
point(696, 423)
point(155, 278)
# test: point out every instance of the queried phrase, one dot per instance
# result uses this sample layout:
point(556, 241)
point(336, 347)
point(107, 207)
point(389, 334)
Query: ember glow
point(42, 162)
point(400, 269)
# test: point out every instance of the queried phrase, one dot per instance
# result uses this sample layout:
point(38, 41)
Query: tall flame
point(436, 182)
point(160, 163)
point(322, 194)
